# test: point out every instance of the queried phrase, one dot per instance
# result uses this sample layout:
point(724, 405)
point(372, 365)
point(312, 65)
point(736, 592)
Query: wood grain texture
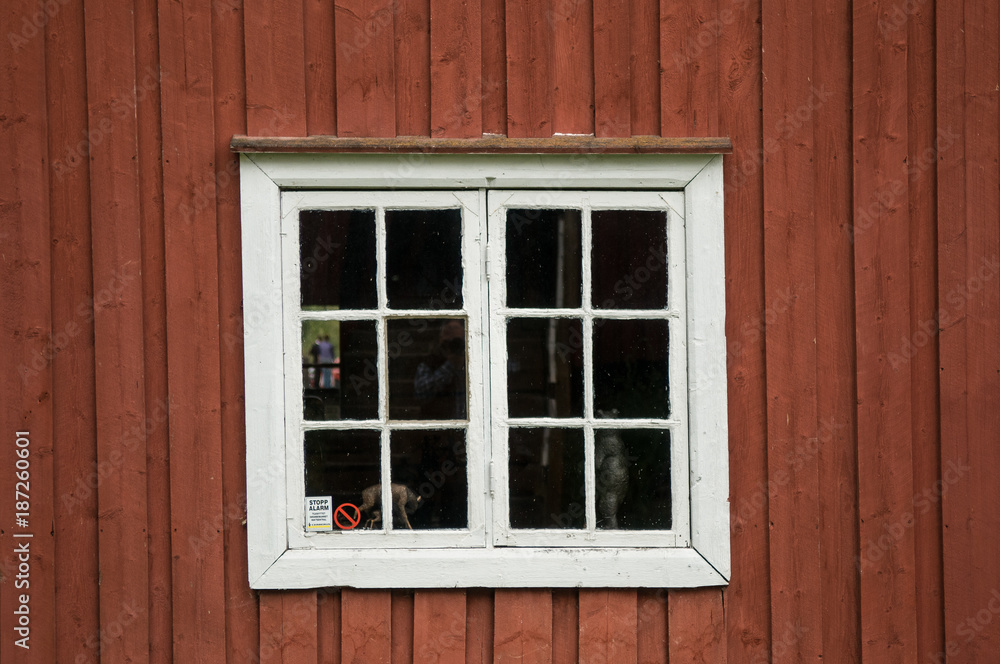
point(790, 250)
point(26, 322)
point(328, 627)
point(479, 626)
point(523, 627)
point(192, 312)
point(403, 613)
point(529, 69)
point(366, 626)
point(118, 327)
point(299, 627)
point(275, 67)
point(456, 66)
point(439, 620)
point(748, 599)
point(969, 266)
point(836, 396)
point(651, 626)
point(689, 64)
point(608, 625)
point(572, 24)
point(499, 145)
point(366, 84)
point(319, 46)
point(882, 285)
point(73, 388)
point(925, 372)
point(494, 54)
point(696, 630)
point(565, 626)
point(242, 618)
point(154, 316)
point(644, 67)
point(412, 35)
point(612, 71)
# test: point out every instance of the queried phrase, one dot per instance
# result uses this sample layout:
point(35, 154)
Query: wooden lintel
point(488, 144)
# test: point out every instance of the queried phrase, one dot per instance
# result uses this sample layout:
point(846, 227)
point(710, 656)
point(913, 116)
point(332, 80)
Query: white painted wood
point(708, 430)
point(265, 409)
point(694, 553)
point(474, 171)
point(678, 365)
point(492, 568)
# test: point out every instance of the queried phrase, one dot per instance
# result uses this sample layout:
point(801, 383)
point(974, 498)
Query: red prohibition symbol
point(353, 521)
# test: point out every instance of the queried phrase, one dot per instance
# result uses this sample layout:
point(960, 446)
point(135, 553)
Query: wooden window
point(522, 355)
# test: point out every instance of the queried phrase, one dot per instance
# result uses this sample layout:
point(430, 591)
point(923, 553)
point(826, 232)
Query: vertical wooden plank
point(366, 85)
point(275, 67)
point(479, 626)
point(608, 625)
point(271, 623)
point(924, 388)
point(523, 627)
point(412, 35)
point(882, 284)
point(118, 328)
point(696, 626)
point(242, 617)
point(439, 627)
point(651, 627)
point(952, 321)
point(403, 614)
point(75, 501)
point(456, 66)
point(970, 296)
point(573, 66)
point(320, 70)
point(328, 621)
point(366, 619)
point(835, 444)
point(192, 307)
point(565, 626)
point(748, 595)
point(26, 310)
point(529, 70)
point(790, 248)
point(612, 71)
point(494, 54)
point(689, 66)
point(299, 631)
point(644, 64)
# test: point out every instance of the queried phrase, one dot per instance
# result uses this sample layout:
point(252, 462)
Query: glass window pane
point(630, 368)
point(423, 259)
point(339, 374)
point(545, 367)
point(546, 478)
point(427, 359)
point(343, 464)
point(431, 466)
point(632, 479)
point(337, 259)
point(629, 259)
point(543, 258)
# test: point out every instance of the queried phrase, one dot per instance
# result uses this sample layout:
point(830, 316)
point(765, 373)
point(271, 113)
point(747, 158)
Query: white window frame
point(281, 556)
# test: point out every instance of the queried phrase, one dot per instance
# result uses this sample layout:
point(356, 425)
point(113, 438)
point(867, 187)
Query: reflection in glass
point(545, 367)
point(432, 466)
point(546, 478)
point(629, 259)
point(423, 259)
point(339, 375)
point(427, 359)
point(543, 258)
point(632, 479)
point(342, 464)
point(630, 368)
point(337, 259)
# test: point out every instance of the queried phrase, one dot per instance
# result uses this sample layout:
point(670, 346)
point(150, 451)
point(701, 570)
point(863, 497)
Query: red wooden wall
point(863, 301)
